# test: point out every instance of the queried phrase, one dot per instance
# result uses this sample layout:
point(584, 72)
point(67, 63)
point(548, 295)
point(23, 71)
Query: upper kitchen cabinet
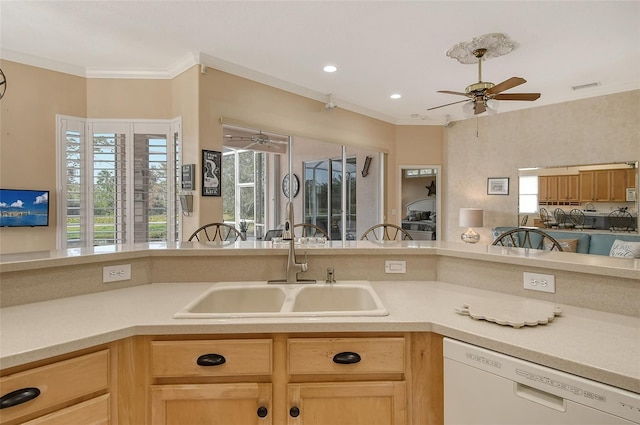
point(603, 185)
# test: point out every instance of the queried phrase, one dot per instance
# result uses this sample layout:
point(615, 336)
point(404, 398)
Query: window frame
point(86, 128)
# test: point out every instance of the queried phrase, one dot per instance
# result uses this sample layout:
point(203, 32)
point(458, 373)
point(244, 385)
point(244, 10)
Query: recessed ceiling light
point(395, 96)
point(330, 68)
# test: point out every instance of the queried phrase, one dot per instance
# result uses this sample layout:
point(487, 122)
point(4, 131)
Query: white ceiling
point(379, 47)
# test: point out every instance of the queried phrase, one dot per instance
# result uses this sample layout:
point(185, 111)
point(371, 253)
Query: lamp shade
point(470, 217)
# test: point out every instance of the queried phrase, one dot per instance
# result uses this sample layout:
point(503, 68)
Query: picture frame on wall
point(211, 173)
point(498, 186)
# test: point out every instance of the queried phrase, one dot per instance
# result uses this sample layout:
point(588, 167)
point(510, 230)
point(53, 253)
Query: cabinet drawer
point(221, 358)
point(57, 383)
point(90, 412)
point(346, 355)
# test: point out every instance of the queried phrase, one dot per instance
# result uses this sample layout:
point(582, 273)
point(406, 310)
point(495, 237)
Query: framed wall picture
point(211, 184)
point(498, 186)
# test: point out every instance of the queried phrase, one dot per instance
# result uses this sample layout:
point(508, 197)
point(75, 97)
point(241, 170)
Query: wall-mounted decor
point(295, 183)
point(498, 186)
point(367, 164)
point(211, 173)
point(3, 84)
point(631, 194)
point(188, 177)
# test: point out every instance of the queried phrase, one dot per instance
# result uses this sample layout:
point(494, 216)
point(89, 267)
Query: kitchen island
point(58, 305)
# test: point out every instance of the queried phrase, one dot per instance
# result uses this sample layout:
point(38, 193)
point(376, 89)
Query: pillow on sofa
point(625, 249)
point(567, 245)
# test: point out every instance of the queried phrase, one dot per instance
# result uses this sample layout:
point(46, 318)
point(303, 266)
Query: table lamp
point(470, 217)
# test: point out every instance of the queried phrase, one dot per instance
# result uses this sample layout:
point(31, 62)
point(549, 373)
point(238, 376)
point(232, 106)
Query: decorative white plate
point(516, 313)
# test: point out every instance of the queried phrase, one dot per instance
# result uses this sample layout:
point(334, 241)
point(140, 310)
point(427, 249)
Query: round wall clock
point(295, 185)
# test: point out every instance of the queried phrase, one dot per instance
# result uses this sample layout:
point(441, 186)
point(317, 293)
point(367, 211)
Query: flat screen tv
point(24, 208)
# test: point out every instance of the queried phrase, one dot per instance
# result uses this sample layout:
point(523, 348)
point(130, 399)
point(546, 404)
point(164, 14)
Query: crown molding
point(44, 63)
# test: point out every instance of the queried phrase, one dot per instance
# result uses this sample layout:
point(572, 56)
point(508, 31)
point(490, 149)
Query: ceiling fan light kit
point(483, 95)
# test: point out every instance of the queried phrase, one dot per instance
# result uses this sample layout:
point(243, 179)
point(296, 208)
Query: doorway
point(419, 200)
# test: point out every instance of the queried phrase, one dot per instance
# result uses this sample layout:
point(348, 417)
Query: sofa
point(587, 243)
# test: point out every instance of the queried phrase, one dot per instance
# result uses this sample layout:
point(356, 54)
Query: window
point(117, 182)
point(243, 189)
point(323, 196)
point(528, 200)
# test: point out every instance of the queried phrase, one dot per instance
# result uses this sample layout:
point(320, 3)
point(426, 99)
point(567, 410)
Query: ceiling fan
point(482, 94)
point(258, 141)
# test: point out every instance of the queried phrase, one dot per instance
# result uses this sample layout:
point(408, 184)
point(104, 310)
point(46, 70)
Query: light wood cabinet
point(64, 392)
point(375, 391)
point(197, 402)
point(290, 379)
point(603, 185)
point(224, 404)
point(548, 189)
point(632, 177)
point(587, 186)
point(559, 190)
point(353, 403)
point(568, 188)
point(618, 188)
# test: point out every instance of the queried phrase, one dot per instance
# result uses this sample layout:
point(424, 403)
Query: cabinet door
point(573, 188)
point(211, 404)
point(568, 188)
point(632, 176)
point(353, 403)
point(602, 185)
point(543, 192)
point(548, 188)
point(587, 186)
point(618, 185)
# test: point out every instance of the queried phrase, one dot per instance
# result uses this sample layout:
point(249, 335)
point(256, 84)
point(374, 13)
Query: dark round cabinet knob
point(262, 412)
point(211, 360)
point(294, 412)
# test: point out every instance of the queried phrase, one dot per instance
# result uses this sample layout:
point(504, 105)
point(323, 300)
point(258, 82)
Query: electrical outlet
point(395, 266)
point(540, 282)
point(116, 273)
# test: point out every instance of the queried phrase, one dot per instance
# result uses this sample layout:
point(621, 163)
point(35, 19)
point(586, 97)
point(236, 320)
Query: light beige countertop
point(596, 345)
point(566, 261)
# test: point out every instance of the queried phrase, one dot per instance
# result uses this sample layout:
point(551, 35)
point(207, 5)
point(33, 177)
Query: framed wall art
point(498, 186)
point(211, 175)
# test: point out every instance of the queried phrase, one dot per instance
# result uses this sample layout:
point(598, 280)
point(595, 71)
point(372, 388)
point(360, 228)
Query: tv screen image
point(24, 208)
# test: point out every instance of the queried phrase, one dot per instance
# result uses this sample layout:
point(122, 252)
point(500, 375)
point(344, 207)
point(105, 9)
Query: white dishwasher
point(485, 387)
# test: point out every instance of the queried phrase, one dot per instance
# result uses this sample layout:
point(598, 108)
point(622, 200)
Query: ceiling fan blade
point(448, 104)
point(479, 108)
point(506, 85)
point(517, 96)
point(453, 92)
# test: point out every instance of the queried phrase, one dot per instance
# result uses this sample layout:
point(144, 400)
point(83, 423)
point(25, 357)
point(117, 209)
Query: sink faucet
point(293, 267)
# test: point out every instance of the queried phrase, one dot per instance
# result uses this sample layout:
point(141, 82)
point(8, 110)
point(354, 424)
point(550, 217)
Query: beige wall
point(35, 96)
point(590, 131)
point(415, 145)
point(602, 129)
point(28, 141)
point(244, 102)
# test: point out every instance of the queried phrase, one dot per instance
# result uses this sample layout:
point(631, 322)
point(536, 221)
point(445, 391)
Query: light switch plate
point(116, 273)
point(395, 266)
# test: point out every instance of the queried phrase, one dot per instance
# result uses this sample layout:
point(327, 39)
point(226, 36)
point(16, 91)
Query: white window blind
point(117, 182)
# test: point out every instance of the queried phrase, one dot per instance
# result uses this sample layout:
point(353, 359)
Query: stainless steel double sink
point(259, 299)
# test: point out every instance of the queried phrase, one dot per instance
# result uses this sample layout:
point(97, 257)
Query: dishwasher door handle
point(541, 397)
